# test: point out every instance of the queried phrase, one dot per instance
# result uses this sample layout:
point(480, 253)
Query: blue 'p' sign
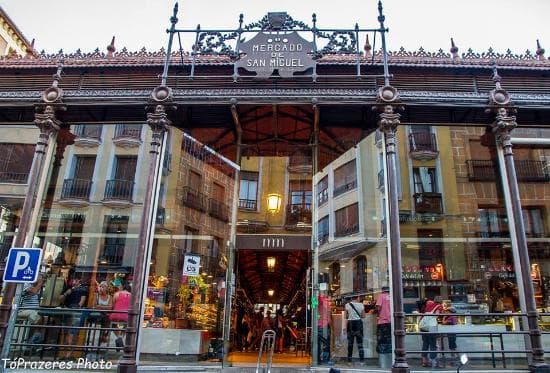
point(23, 265)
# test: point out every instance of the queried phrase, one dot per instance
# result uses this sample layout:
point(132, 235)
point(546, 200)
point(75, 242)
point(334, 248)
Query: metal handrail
point(268, 341)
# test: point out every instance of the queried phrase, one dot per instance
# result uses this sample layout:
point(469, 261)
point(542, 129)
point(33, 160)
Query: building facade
point(230, 189)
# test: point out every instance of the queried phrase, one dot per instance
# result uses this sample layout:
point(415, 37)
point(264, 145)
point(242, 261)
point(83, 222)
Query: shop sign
point(272, 242)
point(191, 265)
point(285, 52)
point(422, 273)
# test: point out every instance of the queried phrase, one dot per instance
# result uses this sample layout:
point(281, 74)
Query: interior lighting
point(270, 292)
point(271, 261)
point(274, 202)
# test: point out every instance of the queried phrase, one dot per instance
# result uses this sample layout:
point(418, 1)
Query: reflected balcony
point(88, 136)
point(76, 192)
point(127, 135)
point(193, 199)
point(322, 237)
point(428, 203)
point(423, 146)
point(13, 177)
point(248, 204)
point(112, 255)
point(350, 185)
point(346, 230)
point(300, 164)
point(119, 193)
point(218, 210)
point(298, 216)
point(526, 170)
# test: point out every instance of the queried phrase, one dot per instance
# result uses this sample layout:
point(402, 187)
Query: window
point(533, 221)
point(322, 235)
point(300, 194)
point(492, 223)
point(422, 139)
point(424, 180)
point(122, 184)
point(80, 184)
point(191, 242)
point(345, 178)
point(248, 190)
point(347, 220)
point(15, 162)
point(360, 273)
point(195, 180)
point(322, 191)
point(116, 227)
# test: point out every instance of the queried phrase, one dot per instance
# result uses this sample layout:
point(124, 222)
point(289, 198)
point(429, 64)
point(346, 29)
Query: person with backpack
point(355, 312)
point(428, 324)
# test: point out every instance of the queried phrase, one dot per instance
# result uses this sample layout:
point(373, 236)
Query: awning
point(345, 251)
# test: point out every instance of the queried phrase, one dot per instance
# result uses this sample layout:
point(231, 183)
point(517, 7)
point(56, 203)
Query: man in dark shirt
point(74, 297)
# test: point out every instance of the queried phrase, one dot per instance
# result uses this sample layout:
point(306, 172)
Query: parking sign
point(23, 265)
point(191, 265)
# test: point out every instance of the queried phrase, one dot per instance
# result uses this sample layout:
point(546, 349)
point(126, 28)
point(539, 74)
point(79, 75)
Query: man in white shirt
point(355, 311)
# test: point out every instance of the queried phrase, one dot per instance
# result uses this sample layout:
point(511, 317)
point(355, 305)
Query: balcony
point(350, 185)
point(322, 237)
point(300, 164)
point(76, 192)
point(13, 177)
point(248, 204)
point(192, 198)
point(88, 136)
point(428, 203)
point(298, 216)
point(112, 255)
point(342, 231)
point(423, 146)
point(127, 135)
point(526, 170)
point(218, 210)
point(119, 193)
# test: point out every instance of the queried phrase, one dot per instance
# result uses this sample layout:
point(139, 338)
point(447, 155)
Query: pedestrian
point(427, 325)
point(121, 302)
point(323, 325)
point(355, 312)
point(74, 296)
point(383, 323)
point(450, 319)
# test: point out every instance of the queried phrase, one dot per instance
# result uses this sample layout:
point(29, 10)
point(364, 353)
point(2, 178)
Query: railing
point(300, 164)
point(346, 187)
point(248, 204)
point(132, 131)
point(14, 177)
point(194, 199)
point(322, 237)
point(89, 131)
point(218, 210)
point(347, 230)
point(76, 188)
point(526, 170)
point(112, 254)
point(119, 189)
point(422, 142)
point(428, 203)
point(298, 214)
point(323, 196)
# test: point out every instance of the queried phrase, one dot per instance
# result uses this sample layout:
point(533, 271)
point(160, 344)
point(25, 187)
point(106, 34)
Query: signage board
point(191, 265)
point(23, 265)
point(287, 53)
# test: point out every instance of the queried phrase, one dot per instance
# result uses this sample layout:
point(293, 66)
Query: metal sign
point(287, 53)
point(191, 265)
point(23, 265)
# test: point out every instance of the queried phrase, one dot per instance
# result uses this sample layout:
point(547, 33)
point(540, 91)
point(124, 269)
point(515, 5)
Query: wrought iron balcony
point(422, 146)
point(218, 210)
point(345, 187)
point(248, 204)
point(497, 234)
point(119, 190)
point(296, 214)
point(13, 177)
point(300, 164)
point(428, 203)
point(526, 170)
point(91, 131)
point(112, 255)
point(346, 230)
point(127, 135)
point(76, 189)
point(194, 199)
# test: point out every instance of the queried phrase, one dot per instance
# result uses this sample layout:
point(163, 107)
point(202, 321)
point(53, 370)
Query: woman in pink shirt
point(121, 302)
point(383, 330)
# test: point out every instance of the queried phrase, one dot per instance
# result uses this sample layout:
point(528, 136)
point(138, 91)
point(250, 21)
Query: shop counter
point(174, 341)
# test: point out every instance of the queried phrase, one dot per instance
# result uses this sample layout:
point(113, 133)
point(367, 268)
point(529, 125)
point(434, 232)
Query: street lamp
point(271, 261)
point(270, 292)
point(274, 202)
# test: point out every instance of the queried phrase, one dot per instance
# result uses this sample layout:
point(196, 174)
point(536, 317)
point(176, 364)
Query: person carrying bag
point(355, 312)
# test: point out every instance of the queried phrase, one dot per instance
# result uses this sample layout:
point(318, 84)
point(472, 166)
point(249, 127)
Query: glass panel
point(89, 252)
point(352, 259)
point(457, 255)
point(183, 312)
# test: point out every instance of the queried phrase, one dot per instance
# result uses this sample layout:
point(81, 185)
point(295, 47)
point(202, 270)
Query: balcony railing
point(298, 214)
point(248, 204)
point(346, 230)
point(112, 255)
point(218, 210)
point(76, 189)
point(300, 164)
point(526, 170)
point(13, 177)
point(89, 131)
point(422, 142)
point(323, 196)
point(132, 131)
point(322, 237)
point(352, 184)
point(119, 189)
point(428, 203)
point(194, 199)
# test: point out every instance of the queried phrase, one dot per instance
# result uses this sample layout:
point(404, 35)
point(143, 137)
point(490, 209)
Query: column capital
point(502, 127)
point(388, 104)
point(45, 118)
point(158, 119)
